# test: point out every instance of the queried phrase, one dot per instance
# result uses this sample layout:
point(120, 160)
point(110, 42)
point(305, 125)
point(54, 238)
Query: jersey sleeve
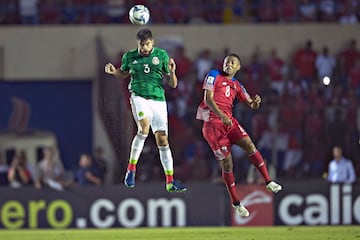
point(242, 94)
point(209, 81)
point(165, 61)
point(125, 63)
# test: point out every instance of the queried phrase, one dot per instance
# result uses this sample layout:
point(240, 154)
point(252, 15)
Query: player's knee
point(162, 143)
point(250, 147)
point(144, 129)
point(227, 165)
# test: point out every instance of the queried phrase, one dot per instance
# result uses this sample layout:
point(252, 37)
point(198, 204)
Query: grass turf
point(191, 233)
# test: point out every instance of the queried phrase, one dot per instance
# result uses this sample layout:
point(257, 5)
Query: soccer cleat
point(273, 187)
point(175, 186)
point(130, 179)
point(241, 210)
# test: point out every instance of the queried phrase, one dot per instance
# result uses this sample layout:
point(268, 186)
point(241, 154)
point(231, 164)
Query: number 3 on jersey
point(146, 68)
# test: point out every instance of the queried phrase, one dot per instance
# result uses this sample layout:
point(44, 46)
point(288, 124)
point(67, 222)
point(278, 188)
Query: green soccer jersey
point(146, 72)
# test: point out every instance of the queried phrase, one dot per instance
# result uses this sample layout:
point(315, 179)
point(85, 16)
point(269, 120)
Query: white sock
point(166, 160)
point(137, 146)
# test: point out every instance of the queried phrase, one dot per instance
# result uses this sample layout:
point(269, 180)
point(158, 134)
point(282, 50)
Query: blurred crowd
point(48, 171)
point(179, 11)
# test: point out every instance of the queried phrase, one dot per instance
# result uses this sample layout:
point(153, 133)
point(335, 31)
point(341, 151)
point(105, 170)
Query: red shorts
point(221, 137)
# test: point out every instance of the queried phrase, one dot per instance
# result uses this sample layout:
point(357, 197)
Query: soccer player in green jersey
point(148, 66)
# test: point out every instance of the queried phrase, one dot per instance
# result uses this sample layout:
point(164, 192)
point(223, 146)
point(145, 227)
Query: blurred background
point(301, 56)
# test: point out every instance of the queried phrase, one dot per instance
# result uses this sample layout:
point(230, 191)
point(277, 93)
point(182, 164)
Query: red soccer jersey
point(225, 91)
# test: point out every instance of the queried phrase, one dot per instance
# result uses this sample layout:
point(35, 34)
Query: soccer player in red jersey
point(221, 130)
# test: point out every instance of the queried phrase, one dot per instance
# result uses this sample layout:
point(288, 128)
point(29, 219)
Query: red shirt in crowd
point(305, 62)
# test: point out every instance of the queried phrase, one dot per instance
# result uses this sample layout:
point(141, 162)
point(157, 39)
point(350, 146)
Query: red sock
point(131, 167)
point(259, 163)
point(229, 180)
point(169, 178)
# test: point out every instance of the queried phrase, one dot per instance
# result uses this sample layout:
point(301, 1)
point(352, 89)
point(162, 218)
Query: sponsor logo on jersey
point(224, 83)
point(134, 62)
point(210, 80)
point(155, 60)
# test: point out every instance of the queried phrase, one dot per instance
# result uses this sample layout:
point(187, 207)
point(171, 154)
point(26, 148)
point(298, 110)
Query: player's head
point(145, 41)
point(231, 64)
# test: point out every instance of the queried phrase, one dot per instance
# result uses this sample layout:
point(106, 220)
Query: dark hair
point(235, 56)
point(144, 34)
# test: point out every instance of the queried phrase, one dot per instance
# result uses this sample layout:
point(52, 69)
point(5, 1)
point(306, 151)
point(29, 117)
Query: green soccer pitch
point(191, 233)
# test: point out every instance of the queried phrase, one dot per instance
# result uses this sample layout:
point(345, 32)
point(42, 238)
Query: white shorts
point(156, 111)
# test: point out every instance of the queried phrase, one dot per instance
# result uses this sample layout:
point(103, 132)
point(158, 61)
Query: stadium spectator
point(273, 145)
point(348, 12)
point(304, 63)
point(293, 156)
point(337, 131)
point(194, 164)
point(213, 11)
point(347, 58)
point(99, 164)
point(19, 173)
point(69, 13)
point(156, 8)
point(307, 11)
point(265, 11)
point(50, 172)
point(184, 90)
point(4, 168)
point(287, 11)
point(29, 11)
point(325, 65)
point(203, 64)
point(354, 77)
point(116, 11)
point(327, 10)
point(255, 71)
point(84, 174)
point(340, 169)
point(8, 12)
point(49, 12)
point(276, 70)
point(176, 12)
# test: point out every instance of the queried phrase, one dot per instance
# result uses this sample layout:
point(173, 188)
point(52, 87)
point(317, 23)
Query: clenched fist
point(110, 68)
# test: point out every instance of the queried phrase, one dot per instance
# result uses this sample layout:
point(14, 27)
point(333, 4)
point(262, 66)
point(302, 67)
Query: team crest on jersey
point(224, 149)
point(210, 80)
point(155, 60)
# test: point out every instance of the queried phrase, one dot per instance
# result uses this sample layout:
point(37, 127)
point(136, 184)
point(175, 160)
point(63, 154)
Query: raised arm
point(254, 102)
point(117, 72)
point(171, 78)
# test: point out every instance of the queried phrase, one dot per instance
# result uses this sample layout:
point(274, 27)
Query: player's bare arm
point(172, 78)
point(254, 102)
point(209, 100)
point(111, 69)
